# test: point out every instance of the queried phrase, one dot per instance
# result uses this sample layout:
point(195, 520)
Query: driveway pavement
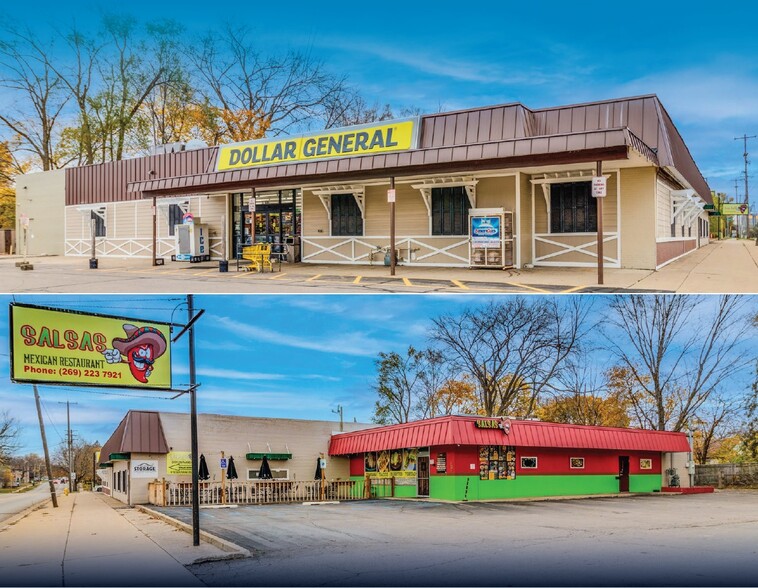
point(727, 266)
point(697, 540)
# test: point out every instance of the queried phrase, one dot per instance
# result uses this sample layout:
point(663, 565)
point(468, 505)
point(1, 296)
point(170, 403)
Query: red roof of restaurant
point(461, 430)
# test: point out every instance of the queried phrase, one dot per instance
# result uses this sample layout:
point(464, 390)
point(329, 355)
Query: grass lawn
point(24, 488)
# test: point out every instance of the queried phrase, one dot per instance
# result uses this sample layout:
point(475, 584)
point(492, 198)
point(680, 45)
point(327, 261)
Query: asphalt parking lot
point(698, 540)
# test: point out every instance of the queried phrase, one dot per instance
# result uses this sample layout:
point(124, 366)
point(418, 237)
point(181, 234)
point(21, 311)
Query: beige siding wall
point(315, 222)
point(42, 196)
point(411, 217)
point(663, 209)
point(129, 227)
point(638, 226)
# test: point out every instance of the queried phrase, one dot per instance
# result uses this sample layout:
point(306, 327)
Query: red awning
point(458, 430)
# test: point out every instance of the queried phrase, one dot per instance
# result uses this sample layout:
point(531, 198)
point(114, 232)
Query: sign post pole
point(599, 191)
point(391, 200)
point(193, 425)
point(223, 479)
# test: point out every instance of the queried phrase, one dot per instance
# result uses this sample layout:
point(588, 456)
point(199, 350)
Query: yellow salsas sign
point(53, 346)
point(386, 137)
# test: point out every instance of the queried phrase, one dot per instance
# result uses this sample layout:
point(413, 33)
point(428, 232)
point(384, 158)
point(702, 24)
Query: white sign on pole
point(599, 186)
point(251, 204)
point(390, 195)
point(322, 463)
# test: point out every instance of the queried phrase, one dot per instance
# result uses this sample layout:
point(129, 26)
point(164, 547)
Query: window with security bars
point(175, 216)
point(99, 218)
point(450, 208)
point(572, 208)
point(346, 216)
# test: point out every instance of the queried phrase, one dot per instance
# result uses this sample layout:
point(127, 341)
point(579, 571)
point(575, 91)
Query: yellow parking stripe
point(574, 289)
point(528, 287)
point(204, 272)
point(281, 275)
point(357, 279)
point(407, 282)
point(245, 273)
point(460, 284)
point(312, 278)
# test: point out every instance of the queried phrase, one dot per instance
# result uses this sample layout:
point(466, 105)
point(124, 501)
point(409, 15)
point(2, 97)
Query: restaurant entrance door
point(422, 479)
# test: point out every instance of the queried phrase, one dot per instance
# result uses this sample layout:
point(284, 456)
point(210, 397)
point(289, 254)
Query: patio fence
point(726, 474)
point(269, 491)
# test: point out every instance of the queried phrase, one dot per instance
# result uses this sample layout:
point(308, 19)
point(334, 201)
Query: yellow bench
point(259, 256)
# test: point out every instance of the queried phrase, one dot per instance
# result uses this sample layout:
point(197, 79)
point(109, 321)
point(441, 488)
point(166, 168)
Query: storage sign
point(144, 468)
point(485, 232)
point(385, 137)
point(53, 346)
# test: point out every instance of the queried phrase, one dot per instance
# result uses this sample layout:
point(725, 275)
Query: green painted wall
point(454, 487)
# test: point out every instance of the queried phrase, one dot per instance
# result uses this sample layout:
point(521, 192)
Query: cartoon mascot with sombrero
point(141, 347)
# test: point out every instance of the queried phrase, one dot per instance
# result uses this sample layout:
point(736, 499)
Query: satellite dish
point(195, 144)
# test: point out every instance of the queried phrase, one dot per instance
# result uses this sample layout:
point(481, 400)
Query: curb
point(234, 550)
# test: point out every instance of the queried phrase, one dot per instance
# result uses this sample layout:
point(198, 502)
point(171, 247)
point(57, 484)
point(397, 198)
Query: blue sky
point(699, 58)
point(294, 356)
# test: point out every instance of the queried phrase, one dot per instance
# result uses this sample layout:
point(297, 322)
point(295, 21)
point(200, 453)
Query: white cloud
point(705, 94)
point(352, 343)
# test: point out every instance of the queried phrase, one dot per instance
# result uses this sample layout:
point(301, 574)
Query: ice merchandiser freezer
point(490, 238)
point(192, 243)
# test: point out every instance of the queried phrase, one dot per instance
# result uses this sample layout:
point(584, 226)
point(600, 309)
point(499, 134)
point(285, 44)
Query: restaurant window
point(99, 217)
point(450, 208)
point(275, 474)
point(572, 208)
point(175, 217)
point(646, 464)
point(346, 216)
point(497, 462)
point(576, 463)
point(528, 463)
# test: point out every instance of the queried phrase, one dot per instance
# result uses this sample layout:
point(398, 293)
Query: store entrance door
point(422, 479)
point(623, 476)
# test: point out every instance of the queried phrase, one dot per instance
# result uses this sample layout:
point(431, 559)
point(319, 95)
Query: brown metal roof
point(138, 432)
point(542, 150)
point(508, 135)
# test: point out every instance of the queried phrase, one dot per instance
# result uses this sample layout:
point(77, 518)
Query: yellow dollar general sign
point(398, 135)
point(53, 346)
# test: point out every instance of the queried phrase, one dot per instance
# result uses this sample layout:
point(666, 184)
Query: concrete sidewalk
point(720, 267)
point(93, 540)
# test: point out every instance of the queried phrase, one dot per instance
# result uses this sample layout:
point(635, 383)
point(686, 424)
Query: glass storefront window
point(497, 462)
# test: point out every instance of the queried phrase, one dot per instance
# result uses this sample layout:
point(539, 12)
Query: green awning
point(269, 456)
point(119, 456)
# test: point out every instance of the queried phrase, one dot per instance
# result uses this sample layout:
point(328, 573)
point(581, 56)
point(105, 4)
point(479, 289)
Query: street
point(13, 503)
point(698, 540)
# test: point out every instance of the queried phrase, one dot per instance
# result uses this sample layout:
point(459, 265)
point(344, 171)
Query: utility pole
point(747, 192)
point(339, 410)
point(193, 424)
point(70, 443)
point(44, 446)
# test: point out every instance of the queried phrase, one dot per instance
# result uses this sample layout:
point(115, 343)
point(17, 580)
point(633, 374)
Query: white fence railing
point(256, 492)
point(417, 250)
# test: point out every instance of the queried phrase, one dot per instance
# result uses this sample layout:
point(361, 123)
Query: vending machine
point(490, 238)
point(192, 243)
